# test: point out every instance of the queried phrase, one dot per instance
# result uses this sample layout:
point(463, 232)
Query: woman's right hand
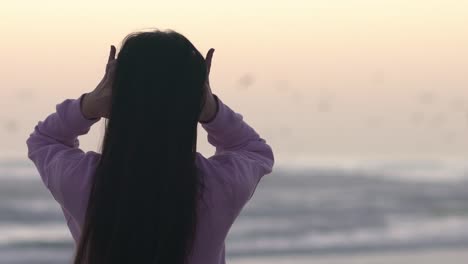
point(210, 107)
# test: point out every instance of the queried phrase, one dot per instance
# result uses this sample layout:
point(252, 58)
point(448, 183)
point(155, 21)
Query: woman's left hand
point(96, 104)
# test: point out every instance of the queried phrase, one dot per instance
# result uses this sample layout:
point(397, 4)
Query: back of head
point(142, 204)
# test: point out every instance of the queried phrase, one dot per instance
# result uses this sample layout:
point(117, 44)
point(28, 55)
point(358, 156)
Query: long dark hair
point(142, 204)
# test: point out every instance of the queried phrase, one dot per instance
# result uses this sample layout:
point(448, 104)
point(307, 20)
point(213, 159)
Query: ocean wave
point(333, 208)
point(437, 170)
point(399, 232)
point(11, 233)
point(35, 206)
point(412, 170)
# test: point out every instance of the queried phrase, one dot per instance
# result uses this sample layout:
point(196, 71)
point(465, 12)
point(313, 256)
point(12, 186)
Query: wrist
point(213, 110)
point(86, 107)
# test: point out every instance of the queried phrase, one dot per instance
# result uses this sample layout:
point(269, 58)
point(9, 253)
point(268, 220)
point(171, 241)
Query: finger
point(112, 54)
point(109, 67)
point(209, 57)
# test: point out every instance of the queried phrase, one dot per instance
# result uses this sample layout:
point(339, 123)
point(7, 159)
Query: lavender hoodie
point(230, 175)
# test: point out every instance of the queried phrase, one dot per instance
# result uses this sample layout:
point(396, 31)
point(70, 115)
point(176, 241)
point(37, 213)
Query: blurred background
point(364, 102)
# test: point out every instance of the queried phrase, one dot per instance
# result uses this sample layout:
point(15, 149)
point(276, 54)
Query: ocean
point(366, 207)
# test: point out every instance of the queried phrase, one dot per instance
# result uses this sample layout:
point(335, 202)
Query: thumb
point(111, 54)
point(209, 57)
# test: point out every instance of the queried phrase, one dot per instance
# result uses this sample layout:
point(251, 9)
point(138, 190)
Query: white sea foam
point(433, 170)
point(33, 206)
point(45, 232)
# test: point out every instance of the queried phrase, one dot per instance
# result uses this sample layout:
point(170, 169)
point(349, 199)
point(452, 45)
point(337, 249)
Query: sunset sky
point(334, 78)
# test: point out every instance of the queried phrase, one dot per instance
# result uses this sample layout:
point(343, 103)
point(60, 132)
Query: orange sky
point(333, 78)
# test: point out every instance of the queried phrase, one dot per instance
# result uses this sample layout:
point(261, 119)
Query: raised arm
point(242, 157)
point(53, 146)
point(241, 154)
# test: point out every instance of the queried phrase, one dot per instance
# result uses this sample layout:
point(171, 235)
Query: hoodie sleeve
point(241, 156)
point(64, 168)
